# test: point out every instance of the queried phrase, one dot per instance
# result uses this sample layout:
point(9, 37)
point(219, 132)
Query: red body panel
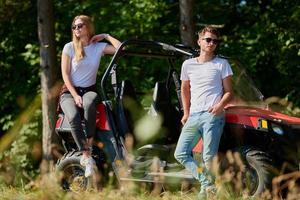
point(241, 111)
point(101, 118)
point(58, 122)
point(241, 119)
point(249, 116)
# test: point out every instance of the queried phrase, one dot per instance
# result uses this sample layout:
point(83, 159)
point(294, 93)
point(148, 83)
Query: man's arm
point(186, 99)
point(227, 96)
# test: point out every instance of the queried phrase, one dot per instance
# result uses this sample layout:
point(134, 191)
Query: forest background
point(263, 34)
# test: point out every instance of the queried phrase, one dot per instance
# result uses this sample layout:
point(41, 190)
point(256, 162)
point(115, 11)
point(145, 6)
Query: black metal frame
point(167, 51)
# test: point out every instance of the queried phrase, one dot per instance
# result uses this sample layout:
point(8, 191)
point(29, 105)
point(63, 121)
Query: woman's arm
point(66, 70)
point(110, 48)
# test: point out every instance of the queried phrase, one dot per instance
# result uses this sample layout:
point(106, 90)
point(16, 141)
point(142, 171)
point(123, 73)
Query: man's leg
point(212, 127)
point(212, 132)
point(183, 152)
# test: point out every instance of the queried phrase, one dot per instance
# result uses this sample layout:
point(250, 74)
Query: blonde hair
point(209, 29)
point(79, 51)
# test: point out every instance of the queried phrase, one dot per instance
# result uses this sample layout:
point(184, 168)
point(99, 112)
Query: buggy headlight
point(277, 129)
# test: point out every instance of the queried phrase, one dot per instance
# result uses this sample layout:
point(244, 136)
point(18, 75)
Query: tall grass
point(47, 187)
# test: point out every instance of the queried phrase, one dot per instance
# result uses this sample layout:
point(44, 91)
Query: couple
point(206, 89)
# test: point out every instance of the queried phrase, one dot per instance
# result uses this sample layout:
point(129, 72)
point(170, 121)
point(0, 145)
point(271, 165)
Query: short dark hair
point(209, 29)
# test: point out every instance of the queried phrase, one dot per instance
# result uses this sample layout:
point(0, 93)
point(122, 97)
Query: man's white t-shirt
point(84, 72)
point(206, 85)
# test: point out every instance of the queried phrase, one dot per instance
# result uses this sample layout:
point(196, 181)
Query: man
point(205, 90)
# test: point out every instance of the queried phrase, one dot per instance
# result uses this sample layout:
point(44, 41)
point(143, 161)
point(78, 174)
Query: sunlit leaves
point(31, 55)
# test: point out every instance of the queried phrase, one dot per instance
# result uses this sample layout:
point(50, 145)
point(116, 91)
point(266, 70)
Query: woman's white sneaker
point(88, 163)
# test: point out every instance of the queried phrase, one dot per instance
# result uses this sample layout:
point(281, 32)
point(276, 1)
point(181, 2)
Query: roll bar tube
point(121, 51)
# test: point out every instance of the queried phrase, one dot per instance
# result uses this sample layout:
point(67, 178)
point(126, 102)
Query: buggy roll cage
point(154, 49)
point(163, 50)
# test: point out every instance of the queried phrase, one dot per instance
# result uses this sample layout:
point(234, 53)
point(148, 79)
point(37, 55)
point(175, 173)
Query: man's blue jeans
point(210, 128)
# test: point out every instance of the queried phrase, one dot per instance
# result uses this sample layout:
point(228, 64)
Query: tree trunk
point(187, 26)
point(49, 72)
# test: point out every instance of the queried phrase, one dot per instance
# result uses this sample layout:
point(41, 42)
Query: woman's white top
point(84, 72)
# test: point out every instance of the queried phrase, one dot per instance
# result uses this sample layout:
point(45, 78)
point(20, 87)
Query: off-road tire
point(71, 173)
point(256, 172)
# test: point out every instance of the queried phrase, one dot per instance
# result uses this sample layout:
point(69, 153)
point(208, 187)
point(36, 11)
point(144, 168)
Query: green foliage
point(20, 162)
point(19, 69)
point(31, 55)
point(147, 19)
point(265, 36)
point(139, 18)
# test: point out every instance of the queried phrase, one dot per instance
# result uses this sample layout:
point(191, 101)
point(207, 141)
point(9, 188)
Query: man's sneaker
point(207, 193)
point(211, 191)
point(88, 163)
point(202, 195)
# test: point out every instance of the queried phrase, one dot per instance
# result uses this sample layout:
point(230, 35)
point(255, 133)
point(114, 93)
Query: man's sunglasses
point(78, 26)
point(209, 40)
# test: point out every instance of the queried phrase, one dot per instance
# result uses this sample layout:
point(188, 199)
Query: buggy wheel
point(72, 173)
point(157, 186)
point(258, 173)
point(251, 170)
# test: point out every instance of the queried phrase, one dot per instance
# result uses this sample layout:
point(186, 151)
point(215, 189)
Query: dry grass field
point(47, 188)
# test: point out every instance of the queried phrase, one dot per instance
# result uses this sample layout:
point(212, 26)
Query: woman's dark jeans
point(72, 113)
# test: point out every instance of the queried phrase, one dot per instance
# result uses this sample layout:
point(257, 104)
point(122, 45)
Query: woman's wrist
point(106, 36)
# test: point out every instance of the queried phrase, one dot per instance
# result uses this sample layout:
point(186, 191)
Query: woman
point(79, 64)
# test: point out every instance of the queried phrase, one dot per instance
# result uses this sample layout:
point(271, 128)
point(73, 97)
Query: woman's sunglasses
point(78, 26)
point(209, 40)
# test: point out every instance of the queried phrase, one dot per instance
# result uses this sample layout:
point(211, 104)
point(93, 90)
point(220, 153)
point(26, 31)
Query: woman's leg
point(89, 105)
point(73, 115)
